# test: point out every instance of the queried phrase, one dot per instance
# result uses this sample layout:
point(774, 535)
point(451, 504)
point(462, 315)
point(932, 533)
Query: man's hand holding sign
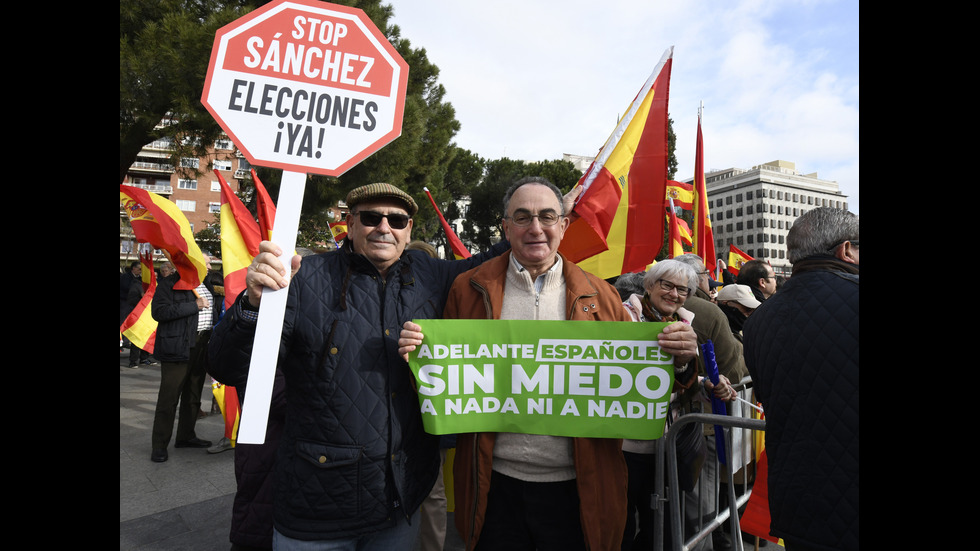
point(612, 380)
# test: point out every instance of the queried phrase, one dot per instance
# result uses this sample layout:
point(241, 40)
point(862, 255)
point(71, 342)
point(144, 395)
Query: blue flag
point(718, 406)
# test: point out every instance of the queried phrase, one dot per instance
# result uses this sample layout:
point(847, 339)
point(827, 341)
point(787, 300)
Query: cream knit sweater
point(534, 457)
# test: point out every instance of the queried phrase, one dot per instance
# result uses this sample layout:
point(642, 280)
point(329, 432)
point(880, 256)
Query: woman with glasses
point(666, 287)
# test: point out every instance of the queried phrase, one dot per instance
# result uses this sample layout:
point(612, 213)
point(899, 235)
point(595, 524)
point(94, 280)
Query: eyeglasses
point(523, 218)
point(853, 242)
point(668, 286)
point(371, 219)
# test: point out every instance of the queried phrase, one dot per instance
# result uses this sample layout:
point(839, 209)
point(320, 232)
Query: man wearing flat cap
point(354, 462)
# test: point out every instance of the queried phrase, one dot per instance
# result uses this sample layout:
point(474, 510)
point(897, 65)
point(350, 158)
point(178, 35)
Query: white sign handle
point(272, 310)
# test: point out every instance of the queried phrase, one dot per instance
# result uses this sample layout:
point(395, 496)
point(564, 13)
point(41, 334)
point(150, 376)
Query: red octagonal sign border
point(306, 86)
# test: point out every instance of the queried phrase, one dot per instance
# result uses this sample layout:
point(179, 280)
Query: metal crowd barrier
point(739, 429)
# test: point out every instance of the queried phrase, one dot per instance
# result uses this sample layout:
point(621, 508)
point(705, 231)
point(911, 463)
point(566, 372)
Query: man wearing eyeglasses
point(802, 348)
point(523, 491)
point(354, 462)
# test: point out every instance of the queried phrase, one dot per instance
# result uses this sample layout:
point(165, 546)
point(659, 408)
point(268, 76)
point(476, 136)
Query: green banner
point(563, 378)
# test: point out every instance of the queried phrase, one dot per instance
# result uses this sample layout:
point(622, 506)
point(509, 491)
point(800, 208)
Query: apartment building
point(755, 208)
point(192, 185)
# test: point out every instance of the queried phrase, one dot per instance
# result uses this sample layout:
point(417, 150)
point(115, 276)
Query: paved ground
point(184, 503)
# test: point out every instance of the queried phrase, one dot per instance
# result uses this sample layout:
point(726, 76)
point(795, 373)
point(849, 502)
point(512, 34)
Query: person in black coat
point(802, 350)
point(354, 461)
point(176, 313)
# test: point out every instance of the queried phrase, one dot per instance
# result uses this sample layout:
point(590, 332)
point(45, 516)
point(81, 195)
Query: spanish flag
point(736, 258)
point(704, 241)
point(339, 231)
point(625, 187)
point(756, 518)
point(459, 250)
point(265, 207)
point(240, 237)
point(159, 222)
point(227, 399)
point(675, 247)
point(139, 326)
point(685, 232)
point(682, 193)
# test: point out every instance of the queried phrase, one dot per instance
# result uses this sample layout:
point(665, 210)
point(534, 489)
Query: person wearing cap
point(354, 461)
point(802, 347)
point(738, 303)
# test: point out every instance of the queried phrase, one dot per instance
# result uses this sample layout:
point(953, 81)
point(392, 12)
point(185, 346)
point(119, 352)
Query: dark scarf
point(824, 262)
point(651, 314)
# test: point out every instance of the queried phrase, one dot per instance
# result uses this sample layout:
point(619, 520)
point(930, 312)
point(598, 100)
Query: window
point(189, 162)
point(186, 184)
point(222, 164)
point(214, 208)
point(185, 205)
point(223, 143)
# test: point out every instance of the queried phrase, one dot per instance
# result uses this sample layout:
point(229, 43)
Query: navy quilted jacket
point(801, 348)
point(353, 446)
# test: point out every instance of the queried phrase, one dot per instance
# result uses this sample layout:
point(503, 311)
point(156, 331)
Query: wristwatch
point(246, 304)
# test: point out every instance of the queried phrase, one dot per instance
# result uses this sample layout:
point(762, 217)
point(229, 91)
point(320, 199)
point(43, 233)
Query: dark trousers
point(528, 516)
point(180, 382)
point(137, 354)
point(640, 531)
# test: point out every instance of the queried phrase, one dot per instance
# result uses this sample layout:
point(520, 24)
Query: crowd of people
point(347, 463)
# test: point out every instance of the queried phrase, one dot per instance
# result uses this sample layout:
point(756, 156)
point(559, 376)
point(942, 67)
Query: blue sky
point(534, 79)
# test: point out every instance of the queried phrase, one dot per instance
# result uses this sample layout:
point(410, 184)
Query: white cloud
point(532, 79)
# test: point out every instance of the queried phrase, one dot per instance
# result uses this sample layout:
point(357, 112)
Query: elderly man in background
point(802, 348)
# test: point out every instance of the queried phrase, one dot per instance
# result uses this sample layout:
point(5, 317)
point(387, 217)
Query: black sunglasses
point(371, 219)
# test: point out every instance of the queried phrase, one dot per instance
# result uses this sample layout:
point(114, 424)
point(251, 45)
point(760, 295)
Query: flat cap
point(381, 192)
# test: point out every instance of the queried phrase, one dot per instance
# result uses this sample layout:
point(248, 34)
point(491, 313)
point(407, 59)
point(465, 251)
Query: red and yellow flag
point(159, 222)
point(339, 231)
point(240, 237)
point(265, 207)
point(736, 258)
point(227, 399)
point(139, 326)
point(675, 247)
point(756, 518)
point(704, 241)
point(625, 184)
point(459, 250)
point(682, 193)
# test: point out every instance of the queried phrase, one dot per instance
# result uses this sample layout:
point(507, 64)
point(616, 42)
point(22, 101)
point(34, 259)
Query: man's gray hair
point(669, 268)
point(629, 284)
point(532, 180)
point(691, 260)
point(819, 231)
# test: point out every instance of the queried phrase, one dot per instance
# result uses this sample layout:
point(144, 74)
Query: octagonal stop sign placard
point(306, 86)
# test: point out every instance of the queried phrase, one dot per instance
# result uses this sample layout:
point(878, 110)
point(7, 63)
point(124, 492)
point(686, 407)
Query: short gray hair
point(671, 268)
point(819, 231)
point(691, 260)
point(541, 180)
